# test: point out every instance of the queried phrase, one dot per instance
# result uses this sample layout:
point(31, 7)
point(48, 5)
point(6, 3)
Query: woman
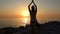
point(33, 12)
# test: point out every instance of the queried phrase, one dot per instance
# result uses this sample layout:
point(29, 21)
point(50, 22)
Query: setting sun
point(25, 13)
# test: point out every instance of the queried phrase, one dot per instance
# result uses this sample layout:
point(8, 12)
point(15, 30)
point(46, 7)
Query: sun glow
point(25, 13)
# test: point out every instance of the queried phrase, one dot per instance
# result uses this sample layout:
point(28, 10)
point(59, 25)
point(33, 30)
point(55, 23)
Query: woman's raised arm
point(29, 6)
point(35, 6)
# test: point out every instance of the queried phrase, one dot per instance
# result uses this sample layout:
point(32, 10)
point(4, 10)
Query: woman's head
point(33, 8)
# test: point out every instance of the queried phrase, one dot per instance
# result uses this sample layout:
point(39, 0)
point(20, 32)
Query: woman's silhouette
point(33, 12)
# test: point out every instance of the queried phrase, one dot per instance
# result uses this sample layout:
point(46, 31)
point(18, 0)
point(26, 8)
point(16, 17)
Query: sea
point(17, 22)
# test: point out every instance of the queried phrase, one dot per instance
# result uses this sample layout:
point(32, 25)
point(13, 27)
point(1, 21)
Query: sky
point(11, 9)
point(16, 8)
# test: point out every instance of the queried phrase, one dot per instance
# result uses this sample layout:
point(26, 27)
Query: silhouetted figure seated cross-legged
point(33, 12)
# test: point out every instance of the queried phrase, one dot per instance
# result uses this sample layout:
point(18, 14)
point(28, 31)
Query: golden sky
point(12, 10)
point(19, 8)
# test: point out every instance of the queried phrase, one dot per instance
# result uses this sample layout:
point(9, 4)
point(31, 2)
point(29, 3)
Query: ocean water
point(16, 22)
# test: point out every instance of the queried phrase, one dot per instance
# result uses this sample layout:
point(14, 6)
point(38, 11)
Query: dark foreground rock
point(52, 27)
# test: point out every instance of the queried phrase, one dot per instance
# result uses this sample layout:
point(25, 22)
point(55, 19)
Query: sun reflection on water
point(26, 20)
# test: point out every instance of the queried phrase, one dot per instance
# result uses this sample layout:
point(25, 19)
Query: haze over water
point(16, 22)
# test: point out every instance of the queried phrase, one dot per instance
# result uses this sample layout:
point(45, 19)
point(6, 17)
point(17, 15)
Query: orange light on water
point(25, 21)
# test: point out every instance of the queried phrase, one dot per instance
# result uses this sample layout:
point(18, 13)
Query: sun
point(25, 13)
